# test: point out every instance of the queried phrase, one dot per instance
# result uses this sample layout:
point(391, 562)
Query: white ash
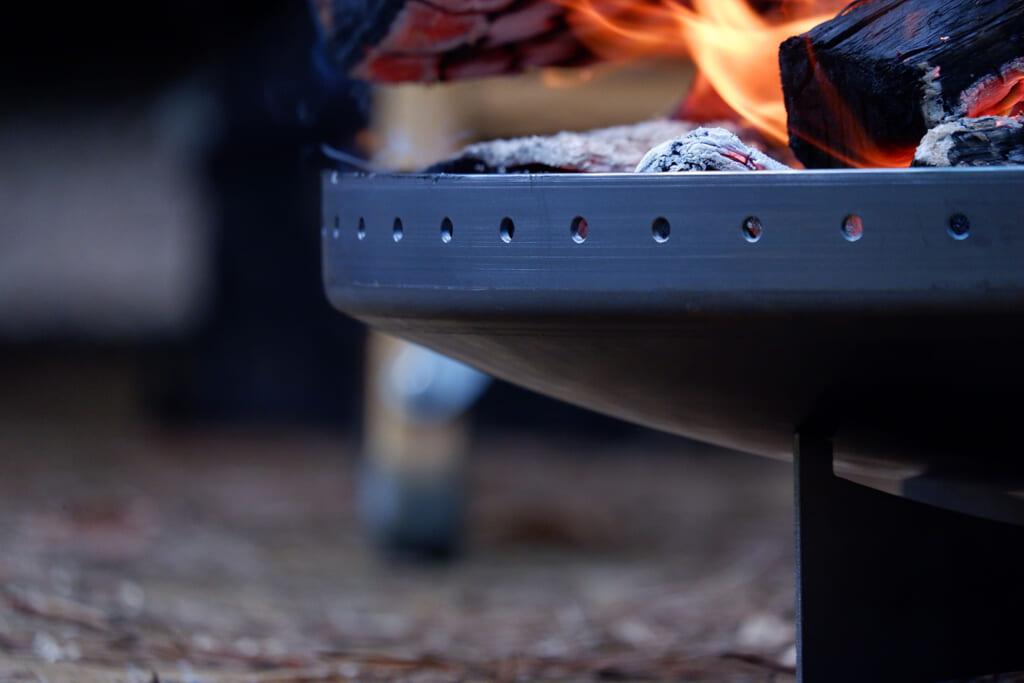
point(604, 150)
point(931, 88)
point(707, 149)
point(982, 141)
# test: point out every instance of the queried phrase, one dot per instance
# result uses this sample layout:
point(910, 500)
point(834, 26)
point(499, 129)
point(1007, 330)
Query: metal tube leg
point(888, 589)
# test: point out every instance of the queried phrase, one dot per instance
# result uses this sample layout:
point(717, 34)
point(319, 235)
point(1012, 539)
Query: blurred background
point(201, 476)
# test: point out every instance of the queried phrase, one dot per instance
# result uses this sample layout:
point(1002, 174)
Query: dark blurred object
point(66, 51)
point(271, 348)
point(251, 98)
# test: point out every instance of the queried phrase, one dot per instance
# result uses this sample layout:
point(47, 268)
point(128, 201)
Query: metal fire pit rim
point(697, 176)
point(907, 259)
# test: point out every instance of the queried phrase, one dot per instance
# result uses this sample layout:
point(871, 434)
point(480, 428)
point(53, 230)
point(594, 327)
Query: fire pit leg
point(893, 590)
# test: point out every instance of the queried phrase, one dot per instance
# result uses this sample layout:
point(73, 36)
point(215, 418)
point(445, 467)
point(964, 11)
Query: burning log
point(412, 40)
point(707, 149)
point(986, 141)
point(863, 88)
point(606, 150)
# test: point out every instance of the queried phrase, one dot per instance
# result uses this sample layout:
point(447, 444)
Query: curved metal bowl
point(759, 310)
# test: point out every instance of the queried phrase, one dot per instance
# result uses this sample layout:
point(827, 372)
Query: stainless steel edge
point(906, 258)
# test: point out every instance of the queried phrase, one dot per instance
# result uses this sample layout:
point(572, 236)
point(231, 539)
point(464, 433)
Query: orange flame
point(734, 47)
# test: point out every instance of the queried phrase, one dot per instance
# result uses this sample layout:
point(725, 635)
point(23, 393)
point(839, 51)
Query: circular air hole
point(853, 227)
point(752, 228)
point(508, 229)
point(397, 231)
point(361, 228)
point(661, 229)
point(447, 229)
point(579, 229)
point(959, 226)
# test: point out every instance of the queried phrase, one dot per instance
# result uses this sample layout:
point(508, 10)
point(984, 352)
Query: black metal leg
point(893, 590)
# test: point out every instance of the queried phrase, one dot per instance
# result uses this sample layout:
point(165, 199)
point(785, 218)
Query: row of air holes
point(852, 228)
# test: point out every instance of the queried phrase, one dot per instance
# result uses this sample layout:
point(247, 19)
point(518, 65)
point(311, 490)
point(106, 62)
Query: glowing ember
point(997, 95)
point(734, 46)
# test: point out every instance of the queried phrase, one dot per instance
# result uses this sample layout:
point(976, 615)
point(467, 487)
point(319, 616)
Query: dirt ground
point(238, 556)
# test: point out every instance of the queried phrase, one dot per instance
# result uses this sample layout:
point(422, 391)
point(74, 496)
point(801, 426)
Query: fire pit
point(725, 307)
point(874, 315)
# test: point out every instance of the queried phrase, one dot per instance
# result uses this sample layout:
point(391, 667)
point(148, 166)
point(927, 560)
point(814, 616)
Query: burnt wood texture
point(863, 88)
point(985, 141)
point(415, 40)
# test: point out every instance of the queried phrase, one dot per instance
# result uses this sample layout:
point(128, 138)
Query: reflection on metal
point(974, 488)
point(428, 387)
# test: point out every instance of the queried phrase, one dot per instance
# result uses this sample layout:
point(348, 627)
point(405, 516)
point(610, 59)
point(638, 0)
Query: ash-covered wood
point(706, 149)
point(606, 150)
point(863, 88)
point(985, 141)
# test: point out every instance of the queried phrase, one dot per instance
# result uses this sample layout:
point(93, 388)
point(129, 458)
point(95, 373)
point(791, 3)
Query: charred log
point(706, 149)
point(986, 141)
point(413, 40)
point(863, 88)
